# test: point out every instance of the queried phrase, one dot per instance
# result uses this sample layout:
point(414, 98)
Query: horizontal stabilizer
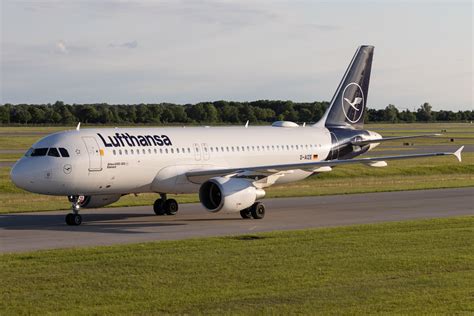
point(386, 139)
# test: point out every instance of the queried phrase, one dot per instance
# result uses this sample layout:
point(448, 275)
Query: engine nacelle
point(96, 201)
point(228, 194)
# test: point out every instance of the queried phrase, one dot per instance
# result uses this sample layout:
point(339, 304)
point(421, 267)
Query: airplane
point(229, 167)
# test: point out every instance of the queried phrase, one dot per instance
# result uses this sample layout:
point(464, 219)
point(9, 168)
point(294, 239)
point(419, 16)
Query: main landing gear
point(164, 206)
point(74, 219)
point(257, 211)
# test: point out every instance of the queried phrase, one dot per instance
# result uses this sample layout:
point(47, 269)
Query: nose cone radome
point(19, 175)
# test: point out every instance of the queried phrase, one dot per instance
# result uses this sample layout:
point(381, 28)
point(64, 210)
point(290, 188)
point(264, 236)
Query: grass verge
point(417, 267)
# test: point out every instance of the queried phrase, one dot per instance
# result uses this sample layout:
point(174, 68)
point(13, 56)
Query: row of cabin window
point(215, 149)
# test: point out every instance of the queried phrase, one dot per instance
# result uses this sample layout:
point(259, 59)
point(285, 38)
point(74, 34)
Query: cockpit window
point(53, 152)
point(39, 152)
point(28, 153)
point(63, 152)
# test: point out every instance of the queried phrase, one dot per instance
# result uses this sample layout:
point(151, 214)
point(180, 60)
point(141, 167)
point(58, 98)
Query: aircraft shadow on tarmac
point(98, 223)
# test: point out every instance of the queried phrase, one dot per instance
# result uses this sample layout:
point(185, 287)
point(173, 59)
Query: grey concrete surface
point(47, 230)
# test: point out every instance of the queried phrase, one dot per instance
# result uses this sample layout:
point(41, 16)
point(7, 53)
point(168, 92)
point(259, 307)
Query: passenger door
point(93, 150)
point(197, 151)
point(205, 151)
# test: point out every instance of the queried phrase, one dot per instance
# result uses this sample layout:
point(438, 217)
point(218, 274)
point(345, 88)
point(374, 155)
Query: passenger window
point(120, 151)
point(155, 151)
point(63, 152)
point(143, 151)
point(172, 150)
point(53, 152)
point(126, 152)
point(177, 150)
point(161, 150)
point(166, 150)
point(131, 151)
point(39, 152)
point(114, 152)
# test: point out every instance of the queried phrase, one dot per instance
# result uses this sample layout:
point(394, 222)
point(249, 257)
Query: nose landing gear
point(74, 219)
point(164, 206)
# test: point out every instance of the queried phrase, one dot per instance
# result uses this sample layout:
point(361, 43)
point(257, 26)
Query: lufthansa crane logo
point(353, 102)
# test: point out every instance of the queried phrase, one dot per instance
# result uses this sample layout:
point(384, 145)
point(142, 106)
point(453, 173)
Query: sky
point(124, 51)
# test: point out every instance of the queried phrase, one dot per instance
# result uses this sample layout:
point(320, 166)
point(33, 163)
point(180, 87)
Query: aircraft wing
point(386, 139)
point(271, 169)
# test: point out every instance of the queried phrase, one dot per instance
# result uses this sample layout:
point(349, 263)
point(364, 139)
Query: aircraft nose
point(19, 175)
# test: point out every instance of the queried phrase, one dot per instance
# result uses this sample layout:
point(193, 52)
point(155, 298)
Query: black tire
point(158, 207)
point(77, 219)
point(246, 213)
point(258, 210)
point(69, 220)
point(171, 207)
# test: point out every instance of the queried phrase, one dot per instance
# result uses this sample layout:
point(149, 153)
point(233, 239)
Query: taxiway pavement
point(47, 230)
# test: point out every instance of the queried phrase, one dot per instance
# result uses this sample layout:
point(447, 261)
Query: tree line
point(218, 112)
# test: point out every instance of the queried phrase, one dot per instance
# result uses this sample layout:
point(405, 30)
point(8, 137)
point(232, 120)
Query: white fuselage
point(100, 162)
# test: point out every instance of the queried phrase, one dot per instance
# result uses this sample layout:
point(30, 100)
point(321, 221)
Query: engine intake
point(228, 194)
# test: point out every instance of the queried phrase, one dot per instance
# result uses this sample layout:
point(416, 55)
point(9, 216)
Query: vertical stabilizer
point(348, 105)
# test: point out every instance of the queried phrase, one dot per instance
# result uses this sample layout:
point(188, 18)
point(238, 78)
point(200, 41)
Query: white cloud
point(61, 47)
point(131, 44)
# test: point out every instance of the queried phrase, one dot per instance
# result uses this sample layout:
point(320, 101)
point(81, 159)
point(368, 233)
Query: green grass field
point(415, 267)
point(429, 173)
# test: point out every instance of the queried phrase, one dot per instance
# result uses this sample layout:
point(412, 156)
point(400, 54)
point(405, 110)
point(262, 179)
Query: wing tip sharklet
point(458, 152)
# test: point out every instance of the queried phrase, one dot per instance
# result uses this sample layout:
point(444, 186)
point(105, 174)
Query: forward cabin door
point(93, 150)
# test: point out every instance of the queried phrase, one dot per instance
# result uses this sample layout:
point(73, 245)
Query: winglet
point(457, 153)
point(247, 124)
point(78, 127)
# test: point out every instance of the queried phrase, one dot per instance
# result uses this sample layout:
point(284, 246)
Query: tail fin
point(348, 104)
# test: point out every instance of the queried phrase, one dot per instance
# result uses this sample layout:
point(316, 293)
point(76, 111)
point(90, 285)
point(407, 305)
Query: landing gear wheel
point(73, 219)
point(246, 213)
point(69, 219)
point(158, 207)
point(258, 210)
point(171, 207)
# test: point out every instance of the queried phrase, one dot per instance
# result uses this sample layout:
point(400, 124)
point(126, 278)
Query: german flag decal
point(315, 157)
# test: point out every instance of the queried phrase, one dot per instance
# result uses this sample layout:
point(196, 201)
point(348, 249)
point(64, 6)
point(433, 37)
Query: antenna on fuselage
point(78, 127)
point(247, 124)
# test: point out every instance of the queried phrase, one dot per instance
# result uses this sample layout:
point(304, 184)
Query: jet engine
point(96, 201)
point(228, 194)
